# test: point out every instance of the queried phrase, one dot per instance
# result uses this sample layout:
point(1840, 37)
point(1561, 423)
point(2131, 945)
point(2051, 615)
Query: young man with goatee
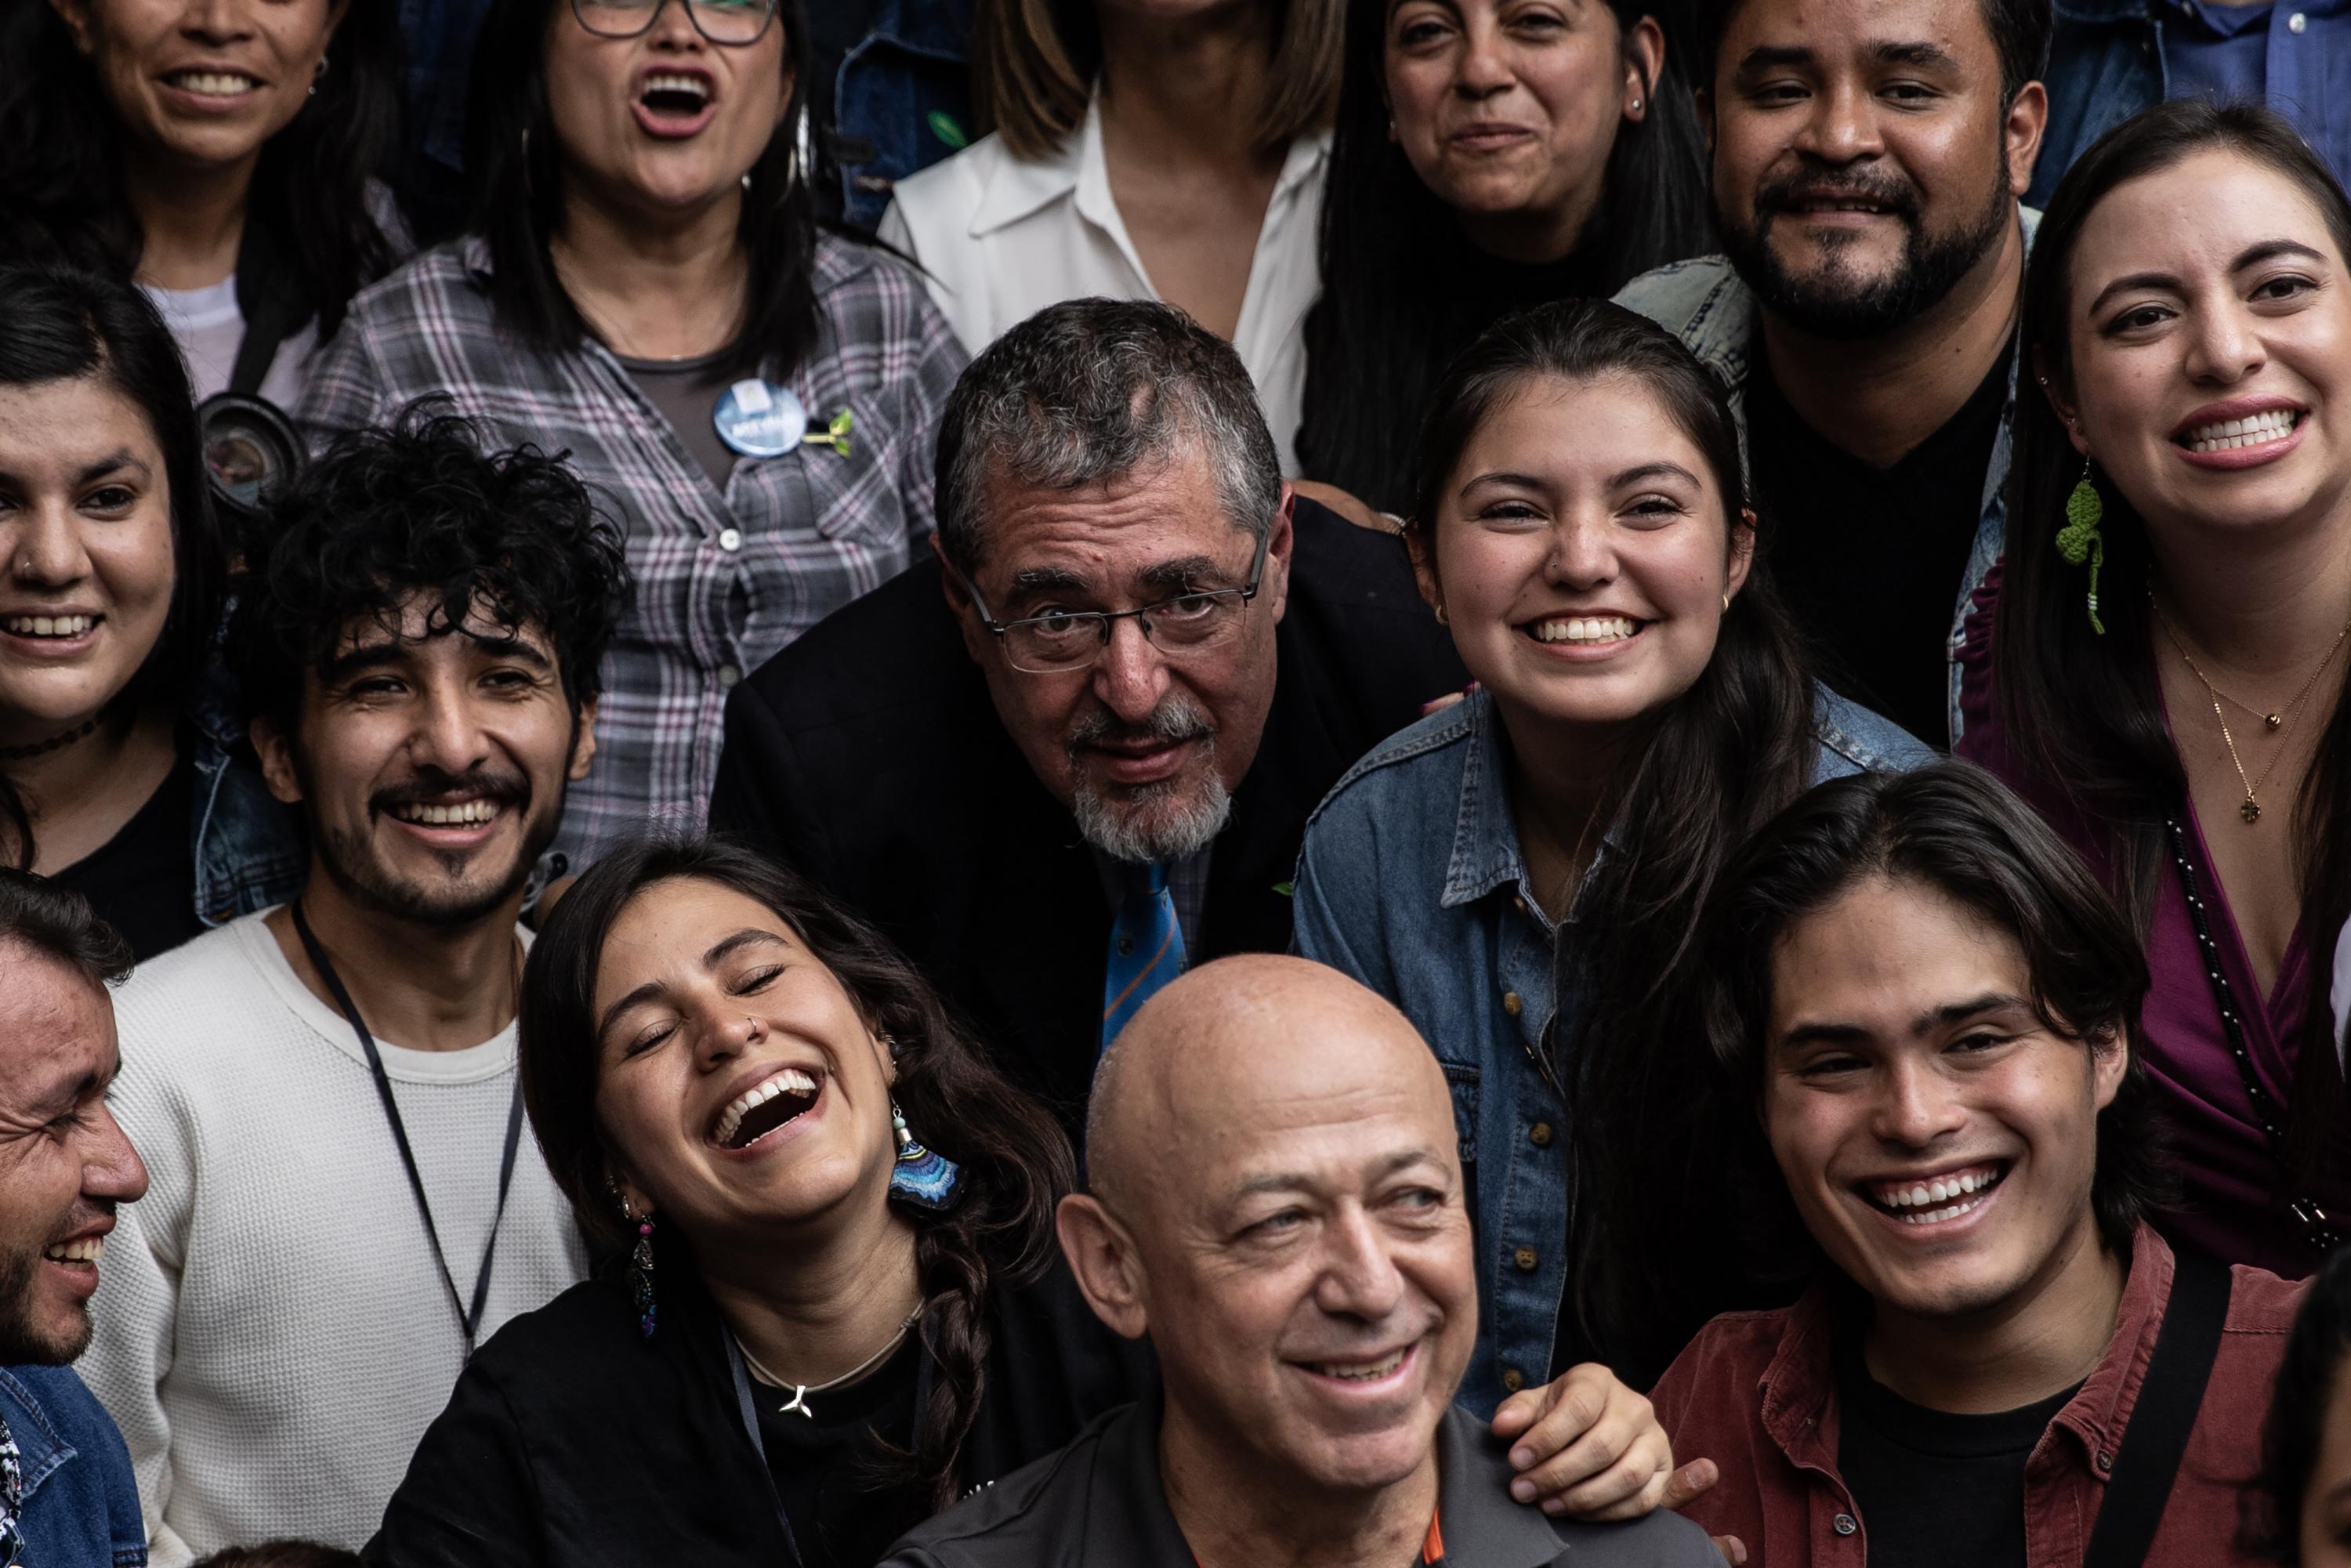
point(343, 1199)
point(1923, 1006)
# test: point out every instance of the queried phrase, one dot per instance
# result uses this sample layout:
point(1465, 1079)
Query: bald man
point(1276, 1204)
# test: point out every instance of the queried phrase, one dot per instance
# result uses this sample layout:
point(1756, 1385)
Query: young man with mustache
point(1077, 754)
point(1867, 160)
point(343, 1205)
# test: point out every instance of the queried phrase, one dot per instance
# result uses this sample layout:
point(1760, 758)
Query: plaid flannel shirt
point(724, 580)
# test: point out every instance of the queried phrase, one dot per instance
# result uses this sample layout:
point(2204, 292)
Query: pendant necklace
point(800, 1391)
point(2273, 721)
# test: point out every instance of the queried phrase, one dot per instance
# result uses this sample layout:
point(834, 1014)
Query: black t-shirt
point(1871, 559)
point(1934, 1490)
point(822, 1461)
point(686, 391)
point(143, 881)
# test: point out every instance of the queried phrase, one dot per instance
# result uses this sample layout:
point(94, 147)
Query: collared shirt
point(1001, 238)
point(1706, 305)
point(1101, 1501)
point(1187, 885)
point(725, 578)
point(78, 1505)
point(2111, 59)
point(1756, 1393)
point(1413, 881)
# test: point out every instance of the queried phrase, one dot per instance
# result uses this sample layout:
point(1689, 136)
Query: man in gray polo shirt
point(1277, 1203)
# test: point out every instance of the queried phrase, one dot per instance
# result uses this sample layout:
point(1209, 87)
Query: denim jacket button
point(1511, 1005)
point(1540, 1134)
point(1513, 1379)
point(1526, 1259)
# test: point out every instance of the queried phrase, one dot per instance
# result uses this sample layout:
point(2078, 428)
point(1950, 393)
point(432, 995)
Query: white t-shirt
point(210, 328)
point(273, 1333)
point(1001, 238)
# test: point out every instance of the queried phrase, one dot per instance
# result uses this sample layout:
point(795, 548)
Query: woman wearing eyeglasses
point(645, 287)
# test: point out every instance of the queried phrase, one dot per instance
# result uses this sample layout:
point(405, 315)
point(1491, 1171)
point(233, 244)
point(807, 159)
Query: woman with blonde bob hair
point(1168, 150)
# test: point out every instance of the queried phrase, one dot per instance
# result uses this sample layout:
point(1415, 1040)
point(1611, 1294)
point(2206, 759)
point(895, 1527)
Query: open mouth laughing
point(672, 102)
point(79, 1252)
point(767, 1107)
point(1933, 1199)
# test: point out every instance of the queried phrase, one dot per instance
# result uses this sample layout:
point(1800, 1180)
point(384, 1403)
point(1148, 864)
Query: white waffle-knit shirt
point(273, 1334)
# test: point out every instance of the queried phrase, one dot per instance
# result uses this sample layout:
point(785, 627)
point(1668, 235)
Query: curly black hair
point(424, 506)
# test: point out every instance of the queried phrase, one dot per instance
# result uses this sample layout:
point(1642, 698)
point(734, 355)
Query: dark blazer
point(572, 1441)
point(1101, 1501)
point(869, 757)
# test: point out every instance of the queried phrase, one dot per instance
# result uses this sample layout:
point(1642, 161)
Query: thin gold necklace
point(800, 1391)
point(2250, 811)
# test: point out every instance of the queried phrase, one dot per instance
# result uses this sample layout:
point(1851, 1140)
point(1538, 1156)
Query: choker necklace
point(55, 742)
point(800, 1391)
point(2250, 809)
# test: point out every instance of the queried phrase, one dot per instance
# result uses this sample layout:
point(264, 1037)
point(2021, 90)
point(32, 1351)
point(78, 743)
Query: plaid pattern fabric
point(724, 580)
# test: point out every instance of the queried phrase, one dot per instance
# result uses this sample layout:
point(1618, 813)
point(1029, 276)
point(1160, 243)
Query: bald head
point(1239, 1033)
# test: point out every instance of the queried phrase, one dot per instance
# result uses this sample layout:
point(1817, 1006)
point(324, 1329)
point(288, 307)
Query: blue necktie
point(1146, 950)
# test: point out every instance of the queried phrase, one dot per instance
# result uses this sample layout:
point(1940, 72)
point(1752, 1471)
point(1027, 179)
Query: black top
point(686, 391)
point(1935, 1489)
point(869, 754)
point(818, 1459)
point(572, 1441)
point(1870, 559)
point(143, 881)
point(1100, 1501)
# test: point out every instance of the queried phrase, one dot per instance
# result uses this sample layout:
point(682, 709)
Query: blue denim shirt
point(1704, 303)
point(1411, 880)
point(902, 101)
point(2110, 58)
point(81, 1502)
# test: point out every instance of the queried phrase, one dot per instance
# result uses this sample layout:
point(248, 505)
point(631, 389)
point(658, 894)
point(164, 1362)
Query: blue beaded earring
point(641, 1259)
point(923, 1177)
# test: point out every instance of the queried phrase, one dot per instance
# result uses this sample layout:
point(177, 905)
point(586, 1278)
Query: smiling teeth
point(693, 86)
point(214, 84)
point(790, 1079)
point(84, 1250)
point(1943, 1197)
point(463, 814)
point(2230, 435)
point(50, 625)
point(1592, 629)
point(1362, 1374)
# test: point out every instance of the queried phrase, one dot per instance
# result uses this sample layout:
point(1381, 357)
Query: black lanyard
point(471, 1322)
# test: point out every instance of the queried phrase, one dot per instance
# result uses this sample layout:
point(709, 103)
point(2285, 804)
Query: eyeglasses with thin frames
point(1069, 640)
point(730, 24)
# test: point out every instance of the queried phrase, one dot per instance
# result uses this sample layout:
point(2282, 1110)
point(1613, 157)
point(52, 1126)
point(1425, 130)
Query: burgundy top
point(1756, 1393)
point(2232, 1206)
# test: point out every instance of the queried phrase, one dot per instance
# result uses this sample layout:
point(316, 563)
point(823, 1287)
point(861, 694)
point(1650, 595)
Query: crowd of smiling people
point(1174, 781)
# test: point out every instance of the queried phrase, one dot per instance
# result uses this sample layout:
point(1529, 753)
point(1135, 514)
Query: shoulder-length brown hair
point(1034, 62)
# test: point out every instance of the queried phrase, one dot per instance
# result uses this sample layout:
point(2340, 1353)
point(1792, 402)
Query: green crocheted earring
point(2080, 541)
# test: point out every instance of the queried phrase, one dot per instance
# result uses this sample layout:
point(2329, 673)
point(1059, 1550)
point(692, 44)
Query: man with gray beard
point(1075, 753)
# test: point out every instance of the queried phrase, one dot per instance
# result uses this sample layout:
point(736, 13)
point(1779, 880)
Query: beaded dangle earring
point(2080, 539)
point(923, 1177)
point(641, 1260)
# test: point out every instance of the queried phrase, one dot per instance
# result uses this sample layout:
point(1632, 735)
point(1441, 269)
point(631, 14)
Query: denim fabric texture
point(2110, 58)
point(1412, 880)
point(903, 94)
point(249, 845)
point(1704, 304)
point(81, 1505)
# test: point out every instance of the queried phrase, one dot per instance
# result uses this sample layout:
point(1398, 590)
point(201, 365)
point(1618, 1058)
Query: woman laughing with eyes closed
point(1581, 524)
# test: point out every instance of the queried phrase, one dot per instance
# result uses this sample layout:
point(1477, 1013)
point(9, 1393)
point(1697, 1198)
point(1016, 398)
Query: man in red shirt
point(1925, 1007)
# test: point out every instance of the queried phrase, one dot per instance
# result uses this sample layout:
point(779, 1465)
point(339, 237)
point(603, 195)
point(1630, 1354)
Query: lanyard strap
point(470, 1322)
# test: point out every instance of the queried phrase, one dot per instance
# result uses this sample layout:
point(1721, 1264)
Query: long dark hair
point(64, 324)
point(1953, 826)
point(1016, 1163)
point(310, 240)
point(2308, 1381)
point(1717, 762)
point(1392, 310)
point(514, 174)
point(2082, 710)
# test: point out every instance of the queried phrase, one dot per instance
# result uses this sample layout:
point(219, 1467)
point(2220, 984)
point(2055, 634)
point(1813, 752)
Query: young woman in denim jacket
point(115, 778)
point(1581, 524)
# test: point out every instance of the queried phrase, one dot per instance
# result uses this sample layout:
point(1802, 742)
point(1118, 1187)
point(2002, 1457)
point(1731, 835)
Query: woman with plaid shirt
point(645, 288)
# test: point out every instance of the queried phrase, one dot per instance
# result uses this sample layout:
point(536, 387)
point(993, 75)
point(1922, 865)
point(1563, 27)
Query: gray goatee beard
point(1151, 822)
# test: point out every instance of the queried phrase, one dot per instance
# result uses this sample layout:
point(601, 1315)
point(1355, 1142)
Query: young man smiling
point(343, 1204)
point(1925, 1004)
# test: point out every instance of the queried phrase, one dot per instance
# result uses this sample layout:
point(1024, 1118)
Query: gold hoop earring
point(1726, 604)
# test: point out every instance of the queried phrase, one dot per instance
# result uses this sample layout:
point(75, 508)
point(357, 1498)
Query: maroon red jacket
point(1756, 1393)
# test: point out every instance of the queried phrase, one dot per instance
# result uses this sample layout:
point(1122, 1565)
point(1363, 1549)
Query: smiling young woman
point(2160, 667)
point(1580, 523)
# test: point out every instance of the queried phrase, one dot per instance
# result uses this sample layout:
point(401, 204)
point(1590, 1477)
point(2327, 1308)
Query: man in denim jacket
point(67, 1496)
point(1866, 166)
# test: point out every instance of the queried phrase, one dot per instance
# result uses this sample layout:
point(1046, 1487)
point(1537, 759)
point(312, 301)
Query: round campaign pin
point(759, 419)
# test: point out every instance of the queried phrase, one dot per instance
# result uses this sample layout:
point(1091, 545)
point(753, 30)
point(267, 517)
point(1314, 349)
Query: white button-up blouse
point(1002, 237)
